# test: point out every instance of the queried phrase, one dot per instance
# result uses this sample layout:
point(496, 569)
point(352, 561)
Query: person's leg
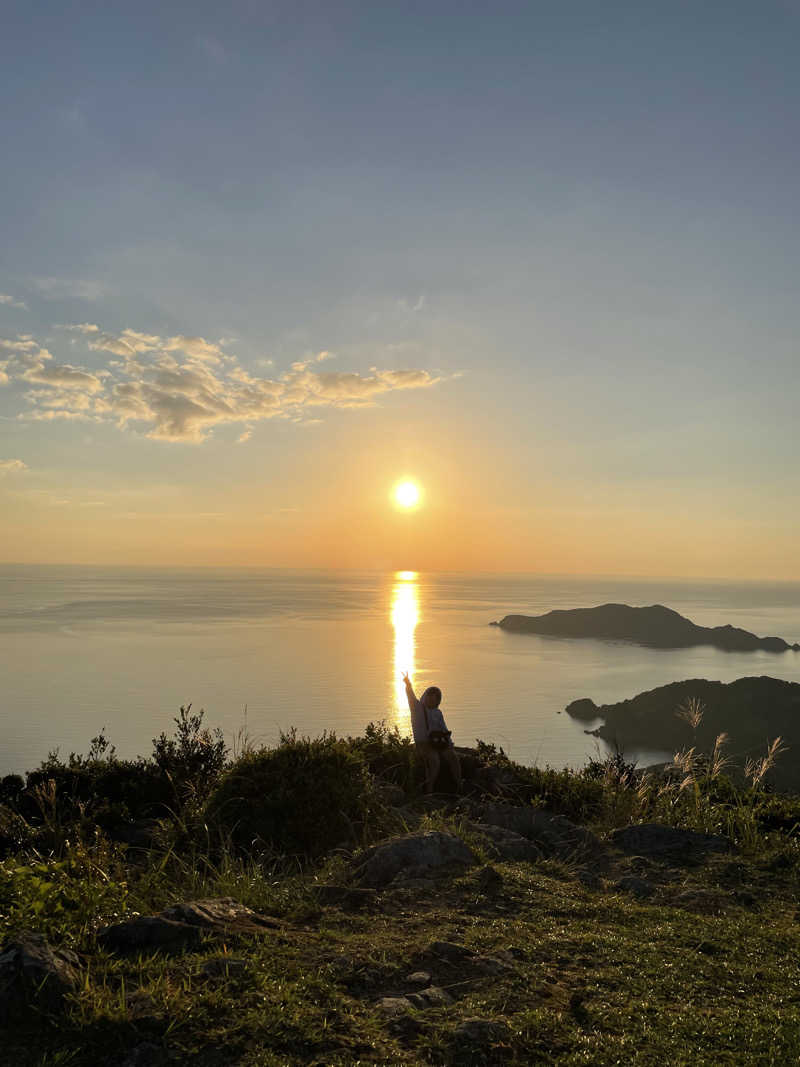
point(454, 763)
point(432, 763)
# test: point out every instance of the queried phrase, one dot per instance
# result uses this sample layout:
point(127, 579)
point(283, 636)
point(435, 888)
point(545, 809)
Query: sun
point(406, 495)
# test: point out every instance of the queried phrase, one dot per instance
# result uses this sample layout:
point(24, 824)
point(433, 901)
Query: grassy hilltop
point(539, 917)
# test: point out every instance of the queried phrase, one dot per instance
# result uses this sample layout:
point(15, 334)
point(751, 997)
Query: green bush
point(389, 755)
point(302, 798)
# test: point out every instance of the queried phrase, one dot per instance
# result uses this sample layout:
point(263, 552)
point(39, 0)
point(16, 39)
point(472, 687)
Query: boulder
point(432, 997)
point(222, 915)
point(394, 1006)
point(449, 952)
point(505, 844)
point(183, 925)
point(422, 852)
point(553, 835)
point(34, 975)
point(654, 839)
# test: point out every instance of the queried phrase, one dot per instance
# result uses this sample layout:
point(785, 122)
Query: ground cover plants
point(563, 944)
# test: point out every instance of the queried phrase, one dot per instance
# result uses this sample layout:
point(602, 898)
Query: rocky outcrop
point(183, 925)
point(413, 856)
point(553, 835)
point(34, 976)
point(656, 626)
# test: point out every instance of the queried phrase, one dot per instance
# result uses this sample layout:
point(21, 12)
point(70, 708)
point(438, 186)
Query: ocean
point(85, 649)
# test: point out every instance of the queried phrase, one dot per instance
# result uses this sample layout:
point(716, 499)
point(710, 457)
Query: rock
point(344, 896)
point(222, 915)
point(481, 1031)
point(419, 978)
point(639, 887)
point(223, 967)
point(590, 879)
point(183, 926)
point(151, 932)
point(431, 851)
point(34, 975)
point(432, 997)
point(492, 965)
point(553, 834)
point(489, 880)
point(505, 844)
point(394, 1006)
point(654, 839)
point(449, 952)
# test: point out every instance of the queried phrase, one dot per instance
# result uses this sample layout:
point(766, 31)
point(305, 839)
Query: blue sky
point(576, 222)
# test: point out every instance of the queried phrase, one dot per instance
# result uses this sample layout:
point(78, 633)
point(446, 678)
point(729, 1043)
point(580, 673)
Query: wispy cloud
point(11, 302)
point(12, 466)
point(179, 388)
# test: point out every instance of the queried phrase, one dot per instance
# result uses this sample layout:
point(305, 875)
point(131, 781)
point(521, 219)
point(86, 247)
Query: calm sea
point(82, 649)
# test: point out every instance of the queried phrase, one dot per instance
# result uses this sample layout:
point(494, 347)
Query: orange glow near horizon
point(405, 615)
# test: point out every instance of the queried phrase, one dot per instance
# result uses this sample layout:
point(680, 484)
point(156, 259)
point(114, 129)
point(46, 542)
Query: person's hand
point(406, 679)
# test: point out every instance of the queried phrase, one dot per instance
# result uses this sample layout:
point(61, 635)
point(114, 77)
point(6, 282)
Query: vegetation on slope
point(702, 970)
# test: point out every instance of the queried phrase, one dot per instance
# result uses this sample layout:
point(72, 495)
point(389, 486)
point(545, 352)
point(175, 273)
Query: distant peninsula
point(656, 626)
point(751, 711)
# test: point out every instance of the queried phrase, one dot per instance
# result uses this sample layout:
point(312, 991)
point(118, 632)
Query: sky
point(262, 260)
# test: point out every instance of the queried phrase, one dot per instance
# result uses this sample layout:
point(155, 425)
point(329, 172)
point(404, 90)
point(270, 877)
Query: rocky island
point(751, 711)
point(655, 626)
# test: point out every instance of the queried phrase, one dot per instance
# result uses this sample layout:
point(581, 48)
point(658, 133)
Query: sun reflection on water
point(404, 616)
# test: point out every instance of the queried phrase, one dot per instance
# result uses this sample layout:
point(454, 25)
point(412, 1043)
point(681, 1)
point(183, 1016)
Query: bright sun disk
point(406, 494)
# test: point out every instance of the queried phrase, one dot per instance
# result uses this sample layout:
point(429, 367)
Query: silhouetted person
point(431, 736)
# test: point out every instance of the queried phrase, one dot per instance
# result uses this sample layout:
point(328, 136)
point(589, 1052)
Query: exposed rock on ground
point(34, 975)
point(552, 834)
point(417, 853)
point(505, 844)
point(183, 926)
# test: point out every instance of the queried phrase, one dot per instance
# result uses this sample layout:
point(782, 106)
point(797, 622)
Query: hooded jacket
point(435, 720)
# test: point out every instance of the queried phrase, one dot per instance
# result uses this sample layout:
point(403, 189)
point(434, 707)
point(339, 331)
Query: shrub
point(193, 759)
point(389, 755)
point(302, 798)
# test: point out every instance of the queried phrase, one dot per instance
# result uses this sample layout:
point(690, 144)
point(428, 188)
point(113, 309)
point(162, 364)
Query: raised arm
point(412, 700)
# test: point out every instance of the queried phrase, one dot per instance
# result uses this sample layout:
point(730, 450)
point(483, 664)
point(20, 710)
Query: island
point(751, 711)
point(655, 626)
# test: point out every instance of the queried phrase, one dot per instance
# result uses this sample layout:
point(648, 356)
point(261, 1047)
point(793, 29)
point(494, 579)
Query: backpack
point(439, 740)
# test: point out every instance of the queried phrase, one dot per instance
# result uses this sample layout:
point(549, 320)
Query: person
point(426, 715)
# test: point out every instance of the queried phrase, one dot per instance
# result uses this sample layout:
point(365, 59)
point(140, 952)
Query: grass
point(597, 978)
point(703, 972)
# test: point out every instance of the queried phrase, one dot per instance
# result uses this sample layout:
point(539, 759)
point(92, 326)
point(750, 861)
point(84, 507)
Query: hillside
point(306, 905)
